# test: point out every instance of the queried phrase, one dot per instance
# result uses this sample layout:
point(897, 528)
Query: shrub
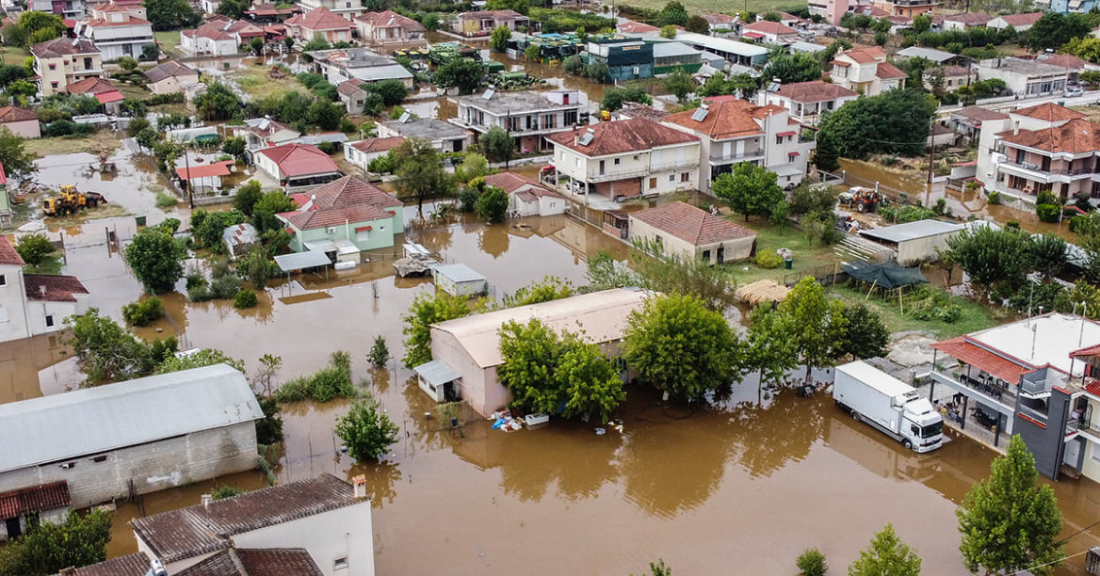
point(767, 259)
point(367, 431)
point(165, 200)
point(379, 352)
point(224, 492)
point(994, 197)
point(1077, 224)
point(245, 299)
point(1048, 212)
point(332, 381)
point(812, 563)
point(327, 147)
point(143, 312)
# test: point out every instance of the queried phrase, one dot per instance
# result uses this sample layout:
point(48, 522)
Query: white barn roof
point(113, 416)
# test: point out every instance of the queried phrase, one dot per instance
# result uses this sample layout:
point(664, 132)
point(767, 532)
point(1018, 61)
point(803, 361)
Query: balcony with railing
point(734, 158)
point(988, 391)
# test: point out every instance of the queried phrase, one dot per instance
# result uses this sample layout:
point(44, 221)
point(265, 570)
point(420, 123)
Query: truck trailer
point(892, 406)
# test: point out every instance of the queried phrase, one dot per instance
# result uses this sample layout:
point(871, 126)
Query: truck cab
point(888, 404)
point(922, 426)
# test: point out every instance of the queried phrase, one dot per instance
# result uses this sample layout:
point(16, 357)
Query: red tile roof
point(983, 359)
point(971, 18)
point(865, 55)
point(188, 532)
point(372, 145)
point(1049, 112)
point(16, 114)
point(349, 200)
point(320, 19)
point(691, 224)
point(768, 27)
point(272, 10)
point(887, 70)
point(390, 19)
point(727, 119)
point(300, 160)
point(204, 171)
point(1074, 137)
point(64, 47)
point(510, 182)
point(91, 86)
point(631, 27)
point(8, 255)
point(952, 71)
point(349, 87)
point(131, 21)
point(169, 69)
point(494, 14)
point(979, 114)
point(52, 288)
point(108, 97)
point(623, 136)
point(256, 562)
point(1022, 19)
point(1066, 61)
point(51, 496)
point(815, 91)
point(132, 565)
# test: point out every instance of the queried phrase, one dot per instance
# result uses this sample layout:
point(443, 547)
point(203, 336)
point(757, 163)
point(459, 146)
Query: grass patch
point(13, 55)
point(169, 41)
point(132, 91)
point(255, 81)
point(722, 7)
point(94, 143)
point(973, 316)
point(50, 265)
point(166, 200)
point(770, 238)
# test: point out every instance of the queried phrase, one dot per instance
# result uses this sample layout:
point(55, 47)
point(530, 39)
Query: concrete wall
point(923, 249)
point(55, 516)
point(359, 158)
point(381, 235)
point(733, 250)
point(26, 128)
point(173, 84)
point(479, 387)
point(263, 162)
point(151, 467)
point(345, 533)
point(64, 74)
point(13, 309)
point(1090, 462)
point(47, 317)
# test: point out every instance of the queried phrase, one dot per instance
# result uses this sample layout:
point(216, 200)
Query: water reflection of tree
point(767, 438)
point(573, 457)
point(382, 478)
point(494, 240)
point(380, 379)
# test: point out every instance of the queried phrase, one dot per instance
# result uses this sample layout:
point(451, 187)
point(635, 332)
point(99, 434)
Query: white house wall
point(342, 533)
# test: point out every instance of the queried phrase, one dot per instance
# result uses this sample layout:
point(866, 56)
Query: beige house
point(483, 23)
point(808, 101)
point(466, 351)
point(352, 95)
point(527, 197)
point(866, 70)
point(689, 233)
point(626, 159)
point(21, 121)
point(360, 153)
point(171, 77)
point(320, 23)
point(389, 27)
point(63, 61)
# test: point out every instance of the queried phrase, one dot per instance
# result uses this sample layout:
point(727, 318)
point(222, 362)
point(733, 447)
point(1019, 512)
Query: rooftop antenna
point(1081, 335)
point(1034, 334)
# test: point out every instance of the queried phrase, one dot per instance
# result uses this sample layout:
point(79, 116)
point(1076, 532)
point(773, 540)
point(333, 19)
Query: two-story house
point(220, 36)
point(63, 61)
point(389, 27)
point(733, 131)
point(867, 71)
point(626, 159)
point(807, 101)
point(1036, 378)
point(347, 9)
point(529, 117)
point(767, 32)
point(320, 23)
point(348, 212)
point(1026, 78)
point(32, 304)
point(117, 32)
point(906, 8)
point(483, 23)
point(66, 9)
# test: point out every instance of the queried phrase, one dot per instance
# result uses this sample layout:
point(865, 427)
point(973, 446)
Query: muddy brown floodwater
point(741, 488)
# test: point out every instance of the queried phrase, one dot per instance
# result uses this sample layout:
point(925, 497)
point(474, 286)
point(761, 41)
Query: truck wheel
point(860, 207)
point(907, 444)
point(856, 416)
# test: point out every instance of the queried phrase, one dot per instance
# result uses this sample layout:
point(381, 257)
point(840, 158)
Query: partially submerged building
point(470, 346)
point(529, 117)
point(300, 166)
point(683, 231)
point(343, 219)
point(917, 242)
point(125, 439)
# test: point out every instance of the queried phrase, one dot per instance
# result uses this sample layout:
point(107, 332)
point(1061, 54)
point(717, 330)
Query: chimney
point(576, 135)
point(359, 483)
point(1016, 128)
point(206, 499)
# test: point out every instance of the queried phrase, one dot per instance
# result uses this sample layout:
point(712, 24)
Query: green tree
point(171, 14)
point(492, 205)
point(463, 73)
point(425, 311)
point(13, 155)
point(367, 431)
point(658, 568)
point(990, 256)
point(521, 6)
point(673, 14)
point(1009, 522)
point(247, 196)
point(856, 128)
point(881, 38)
point(499, 38)
point(256, 45)
point(325, 115)
point(257, 268)
point(219, 102)
point(34, 21)
point(668, 32)
point(716, 85)
point(597, 71)
point(921, 23)
point(812, 563)
point(697, 24)
point(867, 336)
point(808, 198)
point(147, 138)
point(1047, 252)
point(1054, 30)
point(498, 145)
point(533, 53)
point(269, 430)
point(419, 171)
point(233, 8)
point(678, 345)
point(379, 352)
point(34, 248)
point(588, 380)
point(235, 146)
point(887, 556)
point(199, 359)
point(680, 84)
point(105, 352)
point(392, 91)
point(750, 190)
point(1085, 48)
point(826, 154)
point(813, 325)
point(573, 65)
point(793, 68)
point(769, 351)
point(49, 548)
point(155, 256)
point(473, 166)
point(614, 98)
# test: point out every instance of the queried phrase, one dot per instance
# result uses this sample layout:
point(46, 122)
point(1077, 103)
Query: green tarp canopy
point(887, 275)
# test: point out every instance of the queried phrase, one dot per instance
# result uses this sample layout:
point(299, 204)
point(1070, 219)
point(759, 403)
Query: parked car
point(1073, 91)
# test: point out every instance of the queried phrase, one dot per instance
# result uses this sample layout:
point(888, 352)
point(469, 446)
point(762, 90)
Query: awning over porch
point(301, 260)
point(436, 373)
point(982, 359)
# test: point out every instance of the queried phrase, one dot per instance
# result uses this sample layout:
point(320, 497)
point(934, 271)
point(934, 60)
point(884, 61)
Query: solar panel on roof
point(405, 116)
point(587, 138)
point(700, 114)
point(489, 93)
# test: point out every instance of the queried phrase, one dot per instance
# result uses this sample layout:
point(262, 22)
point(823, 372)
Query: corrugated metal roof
point(301, 260)
point(459, 273)
point(437, 372)
point(96, 420)
point(913, 230)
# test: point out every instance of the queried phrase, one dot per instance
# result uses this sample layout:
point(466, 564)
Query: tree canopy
point(425, 311)
point(219, 102)
point(887, 556)
point(367, 431)
point(498, 145)
point(47, 548)
point(614, 97)
point(680, 346)
point(13, 154)
point(673, 14)
point(500, 37)
point(420, 172)
point(1010, 521)
point(989, 256)
point(750, 190)
point(813, 326)
point(106, 352)
point(894, 122)
point(464, 73)
point(155, 257)
point(792, 68)
point(1055, 29)
point(171, 14)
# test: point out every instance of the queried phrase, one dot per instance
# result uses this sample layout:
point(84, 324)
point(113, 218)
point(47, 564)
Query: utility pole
point(931, 159)
point(187, 181)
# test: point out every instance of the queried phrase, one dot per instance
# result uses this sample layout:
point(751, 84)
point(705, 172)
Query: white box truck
point(888, 404)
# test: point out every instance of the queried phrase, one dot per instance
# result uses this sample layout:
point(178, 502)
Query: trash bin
point(788, 263)
point(140, 220)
